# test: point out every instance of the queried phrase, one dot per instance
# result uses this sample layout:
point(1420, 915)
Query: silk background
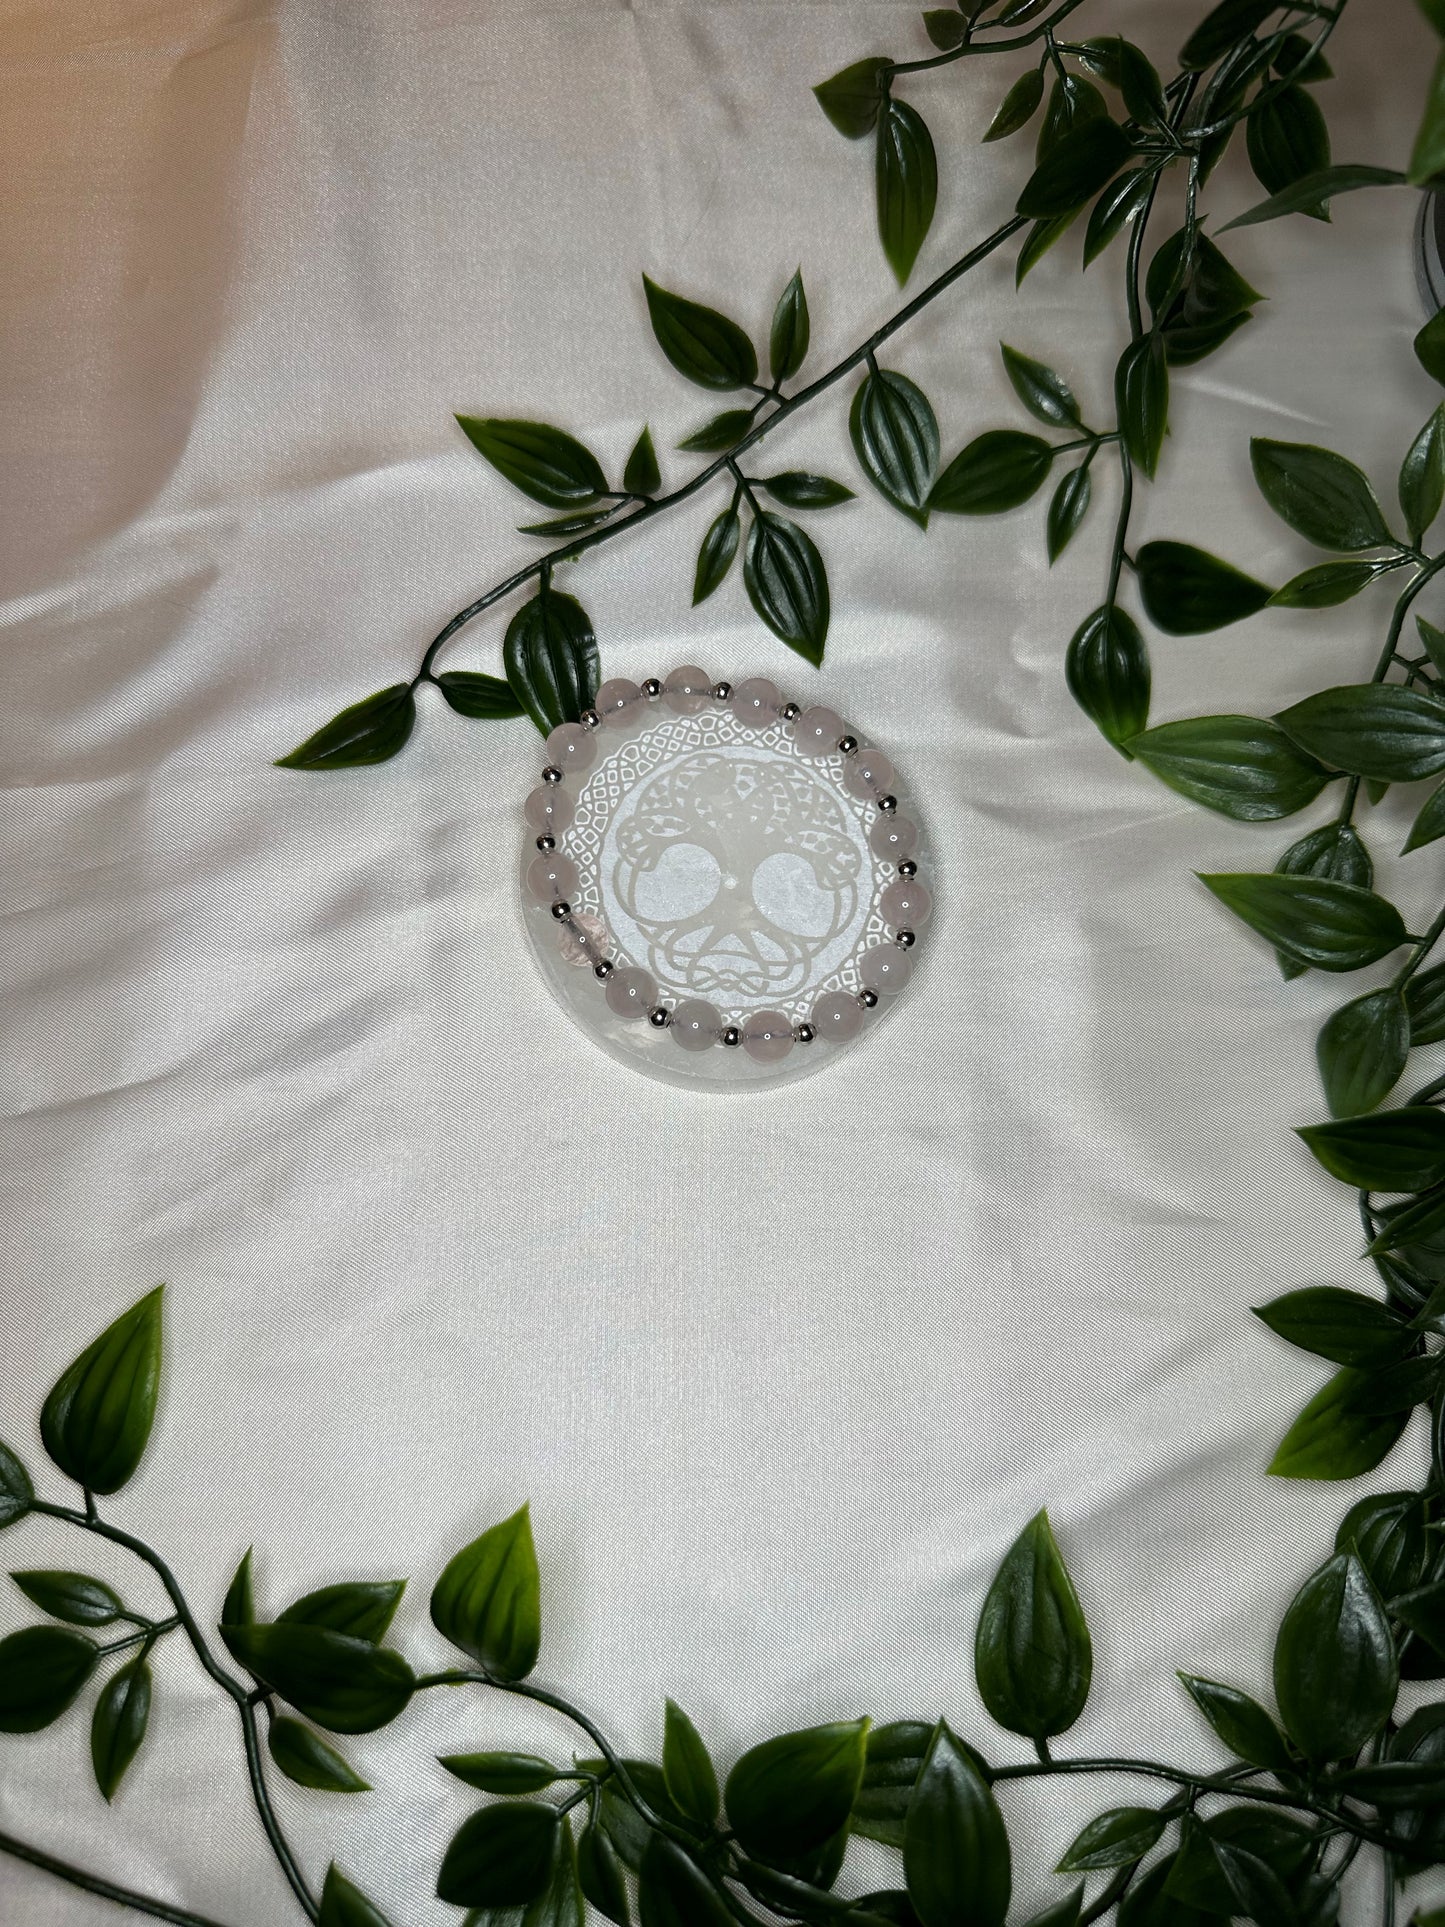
point(782, 1375)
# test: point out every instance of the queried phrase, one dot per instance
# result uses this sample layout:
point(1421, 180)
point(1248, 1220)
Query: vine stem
point(232, 1687)
point(93, 1883)
point(969, 47)
point(659, 504)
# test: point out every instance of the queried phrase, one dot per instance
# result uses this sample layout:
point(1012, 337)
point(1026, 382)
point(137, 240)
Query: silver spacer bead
point(888, 804)
point(602, 971)
point(791, 712)
point(652, 689)
point(659, 1017)
point(905, 939)
point(847, 745)
point(561, 911)
point(589, 719)
point(545, 842)
point(551, 774)
point(908, 868)
point(868, 998)
point(803, 1033)
point(721, 691)
point(732, 1037)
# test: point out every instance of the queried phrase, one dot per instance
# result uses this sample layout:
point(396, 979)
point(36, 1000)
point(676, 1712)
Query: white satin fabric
point(781, 1375)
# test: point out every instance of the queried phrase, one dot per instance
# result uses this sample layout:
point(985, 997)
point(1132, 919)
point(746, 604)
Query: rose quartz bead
point(584, 939)
point(548, 809)
point(570, 748)
point(619, 703)
point(631, 993)
point(868, 774)
point(767, 1036)
point(552, 877)
point(837, 1017)
point(886, 969)
point(905, 905)
point(685, 690)
point(695, 1024)
point(757, 702)
point(819, 730)
point(892, 838)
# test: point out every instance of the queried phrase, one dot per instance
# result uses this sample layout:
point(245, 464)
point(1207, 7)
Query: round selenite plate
point(732, 864)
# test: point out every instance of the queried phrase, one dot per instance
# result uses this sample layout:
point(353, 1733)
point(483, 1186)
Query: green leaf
point(895, 437)
point(628, 1832)
point(946, 28)
point(792, 1795)
point(1198, 287)
point(1386, 1532)
point(1433, 640)
point(1325, 498)
point(303, 1756)
point(895, 1757)
point(1107, 670)
point(1430, 347)
point(1335, 1670)
point(1427, 157)
point(1327, 584)
point(551, 467)
point(721, 432)
point(1205, 1871)
point(642, 476)
point(906, 178)
point(1184, 345)
point(599, 1872)
point(1114, 209)
point(1019, 106)
point(1422, 477)
point(1187, 591)
point(574, 524)
point(71, 1596)
point(688, 1769)
point(502, 1773)
point(1344, 1326)
point(1400, 1150)
point(1148, 1904)
point(343, 1905)
point(550, 653)
point(956, 1850)
point(17, 1494)
point(1042, 236)
point(118, 1724)
point(699, 342)
point(1382, 730)
point(501, 1857)
point(1241, 1722)
point(1072, 103)
point(1141, 392)
point(1064, 1913)
point(1295, 61)
point(1362, 1050)
point(791, 331)
point(1314, 191)
point(997, 471)
point(787, 584)
point(484, 698)
point(1335, 853)
point(1395, 1783)
point(1119, 1838)
point(1067, 509)
point(1323, 925)
point(1425, 1001)
point(1044, 393)
point(1221, 27)
point(1032, 1653)
point(1423, 1611)
point(1084, 161)
point(795, 488)
point(715, 557)
point(239, 1608)
point(1244, 767)
point(673, 1891)
point(346, 1685)
point(853, 97)
point(1288, 141)
point(97, 1421)
point(371, 731)
point(364, 1611)
point(1415, 1223)
point(41, 1671)
point(489, 1600)
point(1333, 1438)
point(1140, 84)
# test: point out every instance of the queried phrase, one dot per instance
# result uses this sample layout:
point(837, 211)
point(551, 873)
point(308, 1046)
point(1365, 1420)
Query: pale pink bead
point(619, 702)
point(837, 1016)
point(552, 877)
point(905, 905)
point(584, 939)
point(892, 838)
point(685, 690)
point(631, 993)
point(868, 774)
point(695, 1024)
point(570, 748)
point(767, 1035)
point(757, 702)
point(548, 808)
point(886, 969)
point(819, 730)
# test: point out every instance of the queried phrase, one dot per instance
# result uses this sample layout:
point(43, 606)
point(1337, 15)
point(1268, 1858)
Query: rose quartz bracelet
point(695, 1025)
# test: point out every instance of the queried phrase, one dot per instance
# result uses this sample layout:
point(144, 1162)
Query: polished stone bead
point(757, 702)
point(696, 1025)
point(571, 749)
point(837, 1017)
point(552, 878)
point(619, 703)
point(631, 993)
point(767, 1035)
point(885, 969)
point(685, 690)
point(818, 730)
point(905, 905)
point(548, 809)
point(892, 837)
point(584, 939)
point(868, 775)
